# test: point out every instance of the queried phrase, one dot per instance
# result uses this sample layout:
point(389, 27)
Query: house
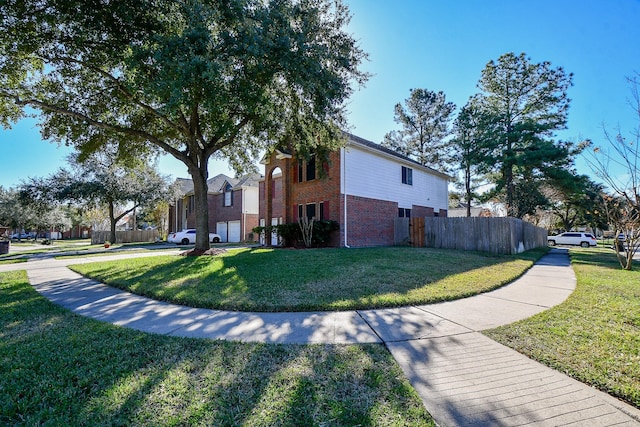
point(233, 207)
point(363, 187)
point(476, 211)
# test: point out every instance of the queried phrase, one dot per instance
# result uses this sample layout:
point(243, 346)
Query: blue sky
point(443, 45)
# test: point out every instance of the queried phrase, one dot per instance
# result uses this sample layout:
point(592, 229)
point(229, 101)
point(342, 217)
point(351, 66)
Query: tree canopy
point(101, 180)
point(425, 118)
point(193, 79)
point(528, 103)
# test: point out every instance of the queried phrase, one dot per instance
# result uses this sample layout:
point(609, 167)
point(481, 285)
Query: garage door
point(221, 229)
point(233, 228)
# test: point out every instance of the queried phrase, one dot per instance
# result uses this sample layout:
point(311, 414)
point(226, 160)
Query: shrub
point(291, 235)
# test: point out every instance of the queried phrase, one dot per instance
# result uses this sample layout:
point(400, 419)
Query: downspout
point(244, 216)
point(344, 192)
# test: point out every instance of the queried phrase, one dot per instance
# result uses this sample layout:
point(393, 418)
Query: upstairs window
point(407, 175)
point(228, 196)
point(311, 169)
point(307, 170)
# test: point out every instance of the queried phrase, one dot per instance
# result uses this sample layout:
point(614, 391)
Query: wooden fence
point(99, 237)
point(495, 235)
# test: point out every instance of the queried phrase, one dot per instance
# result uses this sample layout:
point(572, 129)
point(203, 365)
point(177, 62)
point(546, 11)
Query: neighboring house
point(476, 211)
point(77, 232)
point(363, 187)
point(233, 207)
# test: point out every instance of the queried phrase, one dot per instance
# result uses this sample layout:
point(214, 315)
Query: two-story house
point(233, 206)
point(363, 187)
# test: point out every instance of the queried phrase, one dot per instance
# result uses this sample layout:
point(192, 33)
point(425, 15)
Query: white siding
point(377, 176)
point(251, 202)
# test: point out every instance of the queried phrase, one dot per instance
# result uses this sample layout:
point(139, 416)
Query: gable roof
point(184, 185)
point(217, 183)
point(249, 180)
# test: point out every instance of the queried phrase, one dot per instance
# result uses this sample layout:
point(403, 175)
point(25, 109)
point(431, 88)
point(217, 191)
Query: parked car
point(188, 236)
point(573, 238)
point(23, 235)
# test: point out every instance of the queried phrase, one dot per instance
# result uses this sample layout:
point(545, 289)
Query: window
point(407, 175)
point(192, 204)
point(228, 196)
point(300, 211)
point(311, 211)
point(404, 213)
point(321, 211)
point(307, 171)
point(300, 171)
point(311, 169)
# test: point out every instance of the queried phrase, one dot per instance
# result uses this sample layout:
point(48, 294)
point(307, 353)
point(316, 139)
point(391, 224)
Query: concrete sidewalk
point(463, 377)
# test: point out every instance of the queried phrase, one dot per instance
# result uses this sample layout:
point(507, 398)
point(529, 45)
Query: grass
point(12, 261)
point(62, 369)
point(594, 336)
point(320, 279)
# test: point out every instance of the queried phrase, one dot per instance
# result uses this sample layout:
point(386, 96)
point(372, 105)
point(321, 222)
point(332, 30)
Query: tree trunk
point(112, 222)
point(467, 187)
point(200, 195)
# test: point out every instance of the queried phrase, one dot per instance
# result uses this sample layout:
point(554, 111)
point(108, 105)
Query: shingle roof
point(215, 184)
point(184, 185)
point(249, 180)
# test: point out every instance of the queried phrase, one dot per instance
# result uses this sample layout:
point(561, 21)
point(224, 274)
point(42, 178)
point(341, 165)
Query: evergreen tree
point(425, 119)
point(528, 103)
point(470, 130)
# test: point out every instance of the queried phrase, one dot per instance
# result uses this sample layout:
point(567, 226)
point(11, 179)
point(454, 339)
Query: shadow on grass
point(61, 369)
point(319, 279)
point(600, 257)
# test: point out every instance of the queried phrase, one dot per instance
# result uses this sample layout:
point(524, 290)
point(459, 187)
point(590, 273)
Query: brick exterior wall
point(370, 222)
point(217, 213)
point(276, 185)
point(421, 211)
point(324, 188)
point(191, 219)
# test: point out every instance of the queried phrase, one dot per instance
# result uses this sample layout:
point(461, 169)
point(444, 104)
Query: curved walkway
point(463, 377)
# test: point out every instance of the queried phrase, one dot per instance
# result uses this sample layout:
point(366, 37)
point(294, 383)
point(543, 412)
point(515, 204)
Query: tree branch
point(101, 125)
point(122, 89)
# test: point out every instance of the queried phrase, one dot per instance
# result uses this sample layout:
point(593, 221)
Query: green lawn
point(62, 369)
point(318, 279)
point(594, 336)
point(12, 261)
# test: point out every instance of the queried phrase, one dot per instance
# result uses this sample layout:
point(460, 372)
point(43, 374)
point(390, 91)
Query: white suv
point(573, 238)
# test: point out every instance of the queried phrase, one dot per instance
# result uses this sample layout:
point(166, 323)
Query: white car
point(188, 236)
point(573, 238)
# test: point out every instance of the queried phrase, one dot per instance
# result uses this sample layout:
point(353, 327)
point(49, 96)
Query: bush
point(291, 234)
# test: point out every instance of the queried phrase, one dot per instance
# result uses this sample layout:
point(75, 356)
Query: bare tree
point(617, 164)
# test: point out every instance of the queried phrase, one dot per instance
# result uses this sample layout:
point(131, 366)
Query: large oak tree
point(191, 78)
